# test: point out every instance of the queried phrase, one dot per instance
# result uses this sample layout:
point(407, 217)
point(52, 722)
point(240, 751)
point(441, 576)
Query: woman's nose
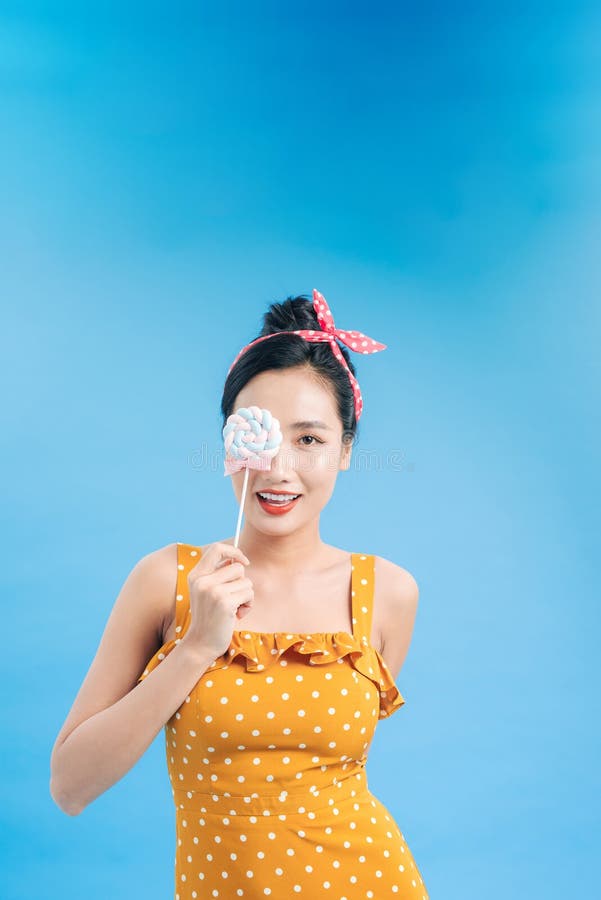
point(285, 459)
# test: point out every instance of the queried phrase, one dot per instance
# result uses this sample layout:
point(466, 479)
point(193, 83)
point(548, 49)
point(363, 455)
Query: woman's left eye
point(313, 438)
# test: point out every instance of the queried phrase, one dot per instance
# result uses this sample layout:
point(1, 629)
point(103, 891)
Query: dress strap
point(187, 557)
point(362, 592)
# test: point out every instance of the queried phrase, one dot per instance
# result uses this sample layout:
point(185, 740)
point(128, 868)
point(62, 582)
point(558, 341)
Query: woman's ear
point(345, 456)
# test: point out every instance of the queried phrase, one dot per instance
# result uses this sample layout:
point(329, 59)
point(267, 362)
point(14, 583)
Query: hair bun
point(294, 314)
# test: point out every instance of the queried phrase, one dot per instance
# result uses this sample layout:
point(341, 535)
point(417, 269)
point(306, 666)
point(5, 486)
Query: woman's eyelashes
point(312, 436)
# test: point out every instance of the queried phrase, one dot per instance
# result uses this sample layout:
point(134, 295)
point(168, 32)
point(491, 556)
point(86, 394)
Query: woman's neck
point(282, 553)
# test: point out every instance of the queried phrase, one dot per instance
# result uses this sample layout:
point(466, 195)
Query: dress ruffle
point(262, 649)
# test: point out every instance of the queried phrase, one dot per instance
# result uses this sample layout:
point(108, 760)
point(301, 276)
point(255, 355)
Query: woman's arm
point(114, 719)
point(400, 594)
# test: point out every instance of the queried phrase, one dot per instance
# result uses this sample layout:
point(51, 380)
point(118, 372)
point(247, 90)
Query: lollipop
point(252, 437)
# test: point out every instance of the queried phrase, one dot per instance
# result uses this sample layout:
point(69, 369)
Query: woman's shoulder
point(386, 571)
point(397, 591)
point(394, 575)
point(160, 559)
point(396, 584)
point(158, 569)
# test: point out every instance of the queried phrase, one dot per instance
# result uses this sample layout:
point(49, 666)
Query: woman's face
point(311, 453)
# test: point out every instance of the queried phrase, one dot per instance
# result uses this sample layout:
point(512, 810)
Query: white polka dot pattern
point(266, 759)
point(355, 340)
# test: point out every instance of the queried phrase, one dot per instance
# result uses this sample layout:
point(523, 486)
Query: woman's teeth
point(278, 498)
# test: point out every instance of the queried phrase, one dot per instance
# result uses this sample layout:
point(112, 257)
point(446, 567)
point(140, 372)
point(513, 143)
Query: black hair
point(285, 351)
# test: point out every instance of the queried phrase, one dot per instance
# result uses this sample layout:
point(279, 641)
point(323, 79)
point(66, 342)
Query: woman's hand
point(220, 594)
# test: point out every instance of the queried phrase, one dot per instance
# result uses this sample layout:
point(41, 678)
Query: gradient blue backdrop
point(169, 169)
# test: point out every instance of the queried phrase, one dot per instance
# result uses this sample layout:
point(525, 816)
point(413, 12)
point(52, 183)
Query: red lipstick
point(276, 508)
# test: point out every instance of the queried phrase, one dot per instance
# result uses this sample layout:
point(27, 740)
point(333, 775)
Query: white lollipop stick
point(241, 507)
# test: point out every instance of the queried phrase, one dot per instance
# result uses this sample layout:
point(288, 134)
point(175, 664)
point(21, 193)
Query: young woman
point(267, 726)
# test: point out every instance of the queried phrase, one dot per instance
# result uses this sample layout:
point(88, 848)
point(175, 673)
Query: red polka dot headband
point(355, 340)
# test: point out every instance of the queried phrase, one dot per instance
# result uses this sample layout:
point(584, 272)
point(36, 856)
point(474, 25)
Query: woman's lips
point(277, 509)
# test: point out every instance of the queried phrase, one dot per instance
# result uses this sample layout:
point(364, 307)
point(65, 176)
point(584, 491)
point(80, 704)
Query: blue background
point(167, 171)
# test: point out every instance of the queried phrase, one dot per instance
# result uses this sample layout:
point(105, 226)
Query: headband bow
point(354, 340)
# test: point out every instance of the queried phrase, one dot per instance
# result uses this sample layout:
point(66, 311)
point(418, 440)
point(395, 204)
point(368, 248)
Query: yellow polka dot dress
point(266, 759)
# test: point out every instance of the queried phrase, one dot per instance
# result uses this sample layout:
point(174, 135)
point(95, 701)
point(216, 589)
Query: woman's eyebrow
point(310, 423)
